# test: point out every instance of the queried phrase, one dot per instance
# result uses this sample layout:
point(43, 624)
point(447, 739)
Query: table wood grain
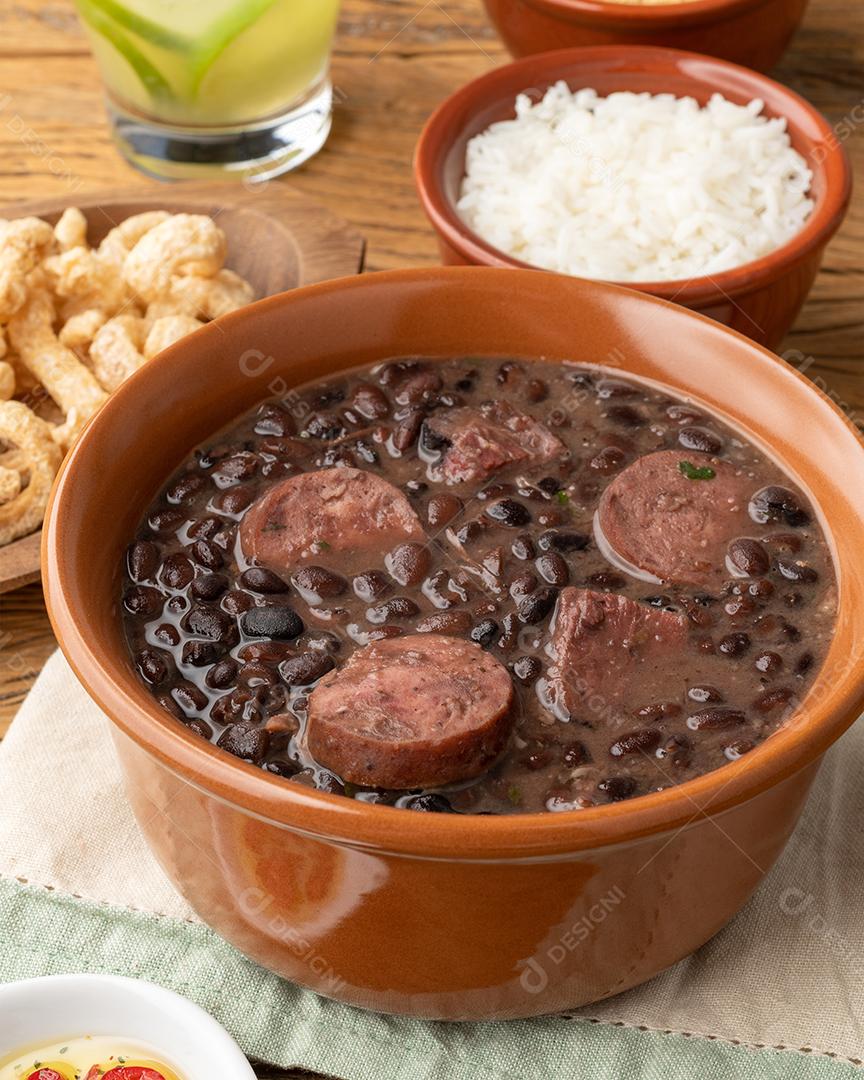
point(394, 61)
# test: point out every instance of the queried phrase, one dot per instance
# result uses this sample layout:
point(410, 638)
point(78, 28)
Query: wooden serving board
point(277, 240)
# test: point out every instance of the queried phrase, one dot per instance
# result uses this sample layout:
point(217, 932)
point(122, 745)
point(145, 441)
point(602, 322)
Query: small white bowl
point(42, 1011)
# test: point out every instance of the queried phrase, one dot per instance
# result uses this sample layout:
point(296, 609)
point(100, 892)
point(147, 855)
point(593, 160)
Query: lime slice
point(156, 84)
point(224, 33)
point(143, 27)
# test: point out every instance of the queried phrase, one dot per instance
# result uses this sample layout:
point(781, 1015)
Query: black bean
point(200, 727)
point(209, 586)
point(469, 532)
point(201, 653)
point(176, 571)
point(371, 585)
point(705, 695)
point(769, 700)
point(170, 705)
point(606, 579)
point(734, 644)
point(607, 460)
point(804, 663)
point(409, 563)
point(315, 583)
point(575, 754)
point(397, 607)
point(563, 541)
point(273, 419)
point(245, 741)
point(485, 632)
point(406, 431)
point(222, 674)
point(142, 559)
point(235, 602)
point(635, 742)
point(700, 439)
point(509, 512)
point(738, 748)
point(442, 509)
point(715, 719)
point(445, 622)
point(167, 633)
point(209, 623)
point(177, 603)
point(143, 600)
point(370, 402)
point(416, 487)
point(657, 711)
point(796, 571)
point(523, 584)
point(207, 554)
point(534, 608)
point(523, 548)
point(204, 529)
point(185, 488)
point(676, 751)
point(527, 669)
point(305, 669)
point(769, 663)
point(748, 557)
point(431, 803)
point(553, 569)
point(151, 667)
point(320, 641)
point(550, 485)
point(536, 390)
point(236, 467)
point(282, 623)
point(775, 503)
point(430, 440)
point(617, 787)
point(189, 697)
point(165, 521)
point(324, 426)
point(625, 415)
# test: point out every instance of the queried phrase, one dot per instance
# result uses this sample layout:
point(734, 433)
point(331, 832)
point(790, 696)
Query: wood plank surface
point(394, 61)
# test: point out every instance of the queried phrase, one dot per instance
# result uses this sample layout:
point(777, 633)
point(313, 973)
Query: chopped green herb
point(274, 526)
point(514, 795)
point(63, 1049)
point(693, 472)
point(322, 545)
point(562, 497)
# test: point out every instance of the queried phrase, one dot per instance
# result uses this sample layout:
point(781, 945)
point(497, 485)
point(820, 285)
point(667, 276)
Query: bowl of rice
point(750, 32)
point(672, 173)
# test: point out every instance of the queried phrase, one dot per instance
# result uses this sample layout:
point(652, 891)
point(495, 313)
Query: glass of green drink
point(213, 87)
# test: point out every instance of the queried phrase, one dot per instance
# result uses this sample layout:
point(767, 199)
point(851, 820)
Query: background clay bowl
point(442, 915)
point(760, 299)
point(750, 32)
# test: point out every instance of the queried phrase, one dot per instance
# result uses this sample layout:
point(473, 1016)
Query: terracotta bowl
point(446, 916)
point(750, 32)
point(760, 299)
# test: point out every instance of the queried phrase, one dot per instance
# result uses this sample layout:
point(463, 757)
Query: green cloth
point(45, 933)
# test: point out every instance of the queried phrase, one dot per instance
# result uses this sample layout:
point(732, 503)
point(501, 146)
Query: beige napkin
point(788, 972)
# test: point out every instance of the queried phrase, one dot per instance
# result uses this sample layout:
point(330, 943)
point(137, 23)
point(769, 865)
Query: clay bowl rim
point(113, 685)
point(628, 15)
point(492, 91)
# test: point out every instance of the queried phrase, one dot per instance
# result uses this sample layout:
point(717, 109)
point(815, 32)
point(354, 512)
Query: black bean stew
point(480, 586)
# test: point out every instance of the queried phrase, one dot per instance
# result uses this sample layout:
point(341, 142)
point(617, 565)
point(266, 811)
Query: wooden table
point(395, 60)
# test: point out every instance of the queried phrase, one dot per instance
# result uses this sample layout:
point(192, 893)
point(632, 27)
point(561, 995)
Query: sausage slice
point(341, 510)
point(410, 712)
point(479, 441)
point(669, 525)
point(607, 653)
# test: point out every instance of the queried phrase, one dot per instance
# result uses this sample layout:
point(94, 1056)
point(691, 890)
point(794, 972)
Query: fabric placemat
point(778, 993)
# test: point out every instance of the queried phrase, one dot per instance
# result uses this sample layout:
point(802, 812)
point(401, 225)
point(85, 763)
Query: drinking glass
point(208, 87)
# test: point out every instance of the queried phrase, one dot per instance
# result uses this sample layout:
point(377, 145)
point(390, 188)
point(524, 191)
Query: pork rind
point(57, 368)
point(27, 469)
point(76, 320)
point(186, 245)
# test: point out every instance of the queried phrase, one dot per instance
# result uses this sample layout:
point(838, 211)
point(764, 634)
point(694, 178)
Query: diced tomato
point(45, 1074)
point(133, 1072)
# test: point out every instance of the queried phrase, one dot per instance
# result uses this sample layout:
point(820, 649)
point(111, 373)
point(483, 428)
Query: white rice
point(635, 187)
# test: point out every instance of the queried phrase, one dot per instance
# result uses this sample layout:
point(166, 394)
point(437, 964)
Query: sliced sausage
point(604, 648)
point(410, 712)
point(341, 510)
point(665, 519)
point(476, 442)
